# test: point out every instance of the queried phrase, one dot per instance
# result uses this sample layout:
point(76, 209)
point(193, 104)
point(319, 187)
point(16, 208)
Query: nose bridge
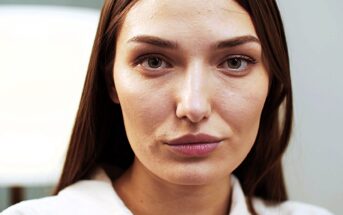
point(194, 101)
point(195, 86)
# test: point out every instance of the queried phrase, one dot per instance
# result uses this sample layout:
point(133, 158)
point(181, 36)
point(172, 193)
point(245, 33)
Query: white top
point(97, 196)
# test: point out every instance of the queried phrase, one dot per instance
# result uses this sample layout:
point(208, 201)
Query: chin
point(194, 176)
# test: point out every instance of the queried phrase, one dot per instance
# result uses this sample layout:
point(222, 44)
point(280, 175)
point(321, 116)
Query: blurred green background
point(37, 191)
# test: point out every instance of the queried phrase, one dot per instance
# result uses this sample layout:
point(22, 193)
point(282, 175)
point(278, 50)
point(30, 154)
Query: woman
point(186, 109)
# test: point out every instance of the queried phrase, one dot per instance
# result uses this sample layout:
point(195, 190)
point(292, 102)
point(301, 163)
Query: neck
point(144, 193)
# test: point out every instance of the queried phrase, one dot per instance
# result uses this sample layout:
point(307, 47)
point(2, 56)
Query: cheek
point(145, 106)
point(241, 107)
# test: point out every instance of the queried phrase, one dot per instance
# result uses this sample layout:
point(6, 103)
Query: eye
point(153, 62)
point(237, 63)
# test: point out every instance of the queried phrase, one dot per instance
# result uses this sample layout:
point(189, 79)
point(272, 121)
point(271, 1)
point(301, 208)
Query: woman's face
point(191, 84)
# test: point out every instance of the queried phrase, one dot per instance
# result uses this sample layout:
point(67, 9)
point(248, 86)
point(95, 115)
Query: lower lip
point(194, 149)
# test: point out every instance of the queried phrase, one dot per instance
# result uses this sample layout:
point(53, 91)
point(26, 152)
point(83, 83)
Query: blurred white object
point(44, 53)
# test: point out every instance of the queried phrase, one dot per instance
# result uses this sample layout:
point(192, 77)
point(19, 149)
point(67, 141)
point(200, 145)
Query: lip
point(195, 145)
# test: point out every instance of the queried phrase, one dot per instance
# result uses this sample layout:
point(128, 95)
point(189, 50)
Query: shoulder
point(240, 206)
point(288, 208)
point(37, 206)
point(84, 197)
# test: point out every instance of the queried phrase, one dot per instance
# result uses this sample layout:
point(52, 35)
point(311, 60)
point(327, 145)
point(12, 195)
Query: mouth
point(198, 145)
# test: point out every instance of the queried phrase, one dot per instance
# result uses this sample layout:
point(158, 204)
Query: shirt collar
point(238, 201)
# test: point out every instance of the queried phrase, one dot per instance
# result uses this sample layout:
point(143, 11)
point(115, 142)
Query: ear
point(113, 94)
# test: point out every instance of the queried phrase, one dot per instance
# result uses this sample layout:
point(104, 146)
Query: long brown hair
point(99, 137)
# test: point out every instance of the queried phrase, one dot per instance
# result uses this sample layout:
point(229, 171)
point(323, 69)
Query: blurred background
point(44, 51)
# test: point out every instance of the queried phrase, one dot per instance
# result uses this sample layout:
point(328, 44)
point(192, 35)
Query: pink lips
point(194, 145)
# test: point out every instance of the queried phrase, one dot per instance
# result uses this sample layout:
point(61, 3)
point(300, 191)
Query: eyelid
point(241, 56)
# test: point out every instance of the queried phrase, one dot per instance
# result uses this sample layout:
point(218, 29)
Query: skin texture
point(192, 90)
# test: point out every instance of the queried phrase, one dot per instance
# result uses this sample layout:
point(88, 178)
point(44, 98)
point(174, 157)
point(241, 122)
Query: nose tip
point(195, 109)
point(194, 94)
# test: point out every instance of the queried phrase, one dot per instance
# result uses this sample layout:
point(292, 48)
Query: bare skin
point(186, 67)
point(150, 196)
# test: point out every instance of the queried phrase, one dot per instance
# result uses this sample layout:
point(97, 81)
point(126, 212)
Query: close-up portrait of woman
point(186, 109)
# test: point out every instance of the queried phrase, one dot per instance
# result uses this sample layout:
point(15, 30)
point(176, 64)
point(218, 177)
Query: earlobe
point(113, 94)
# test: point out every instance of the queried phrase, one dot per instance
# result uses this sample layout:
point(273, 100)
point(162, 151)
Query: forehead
point(189, 19)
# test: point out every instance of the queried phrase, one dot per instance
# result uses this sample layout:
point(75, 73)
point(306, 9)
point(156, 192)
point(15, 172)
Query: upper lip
point(194, 139)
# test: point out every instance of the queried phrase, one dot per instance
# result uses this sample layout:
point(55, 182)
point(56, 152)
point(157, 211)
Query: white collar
point(102, 194)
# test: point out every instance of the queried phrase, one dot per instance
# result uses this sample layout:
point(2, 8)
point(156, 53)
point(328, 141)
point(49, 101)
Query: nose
point(194, 96)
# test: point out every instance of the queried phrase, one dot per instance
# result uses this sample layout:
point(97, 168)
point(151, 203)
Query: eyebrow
point(237, 41)
point(163, 43)
point(155, 41)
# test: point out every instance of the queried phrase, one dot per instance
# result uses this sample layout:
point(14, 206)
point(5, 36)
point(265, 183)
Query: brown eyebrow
point(162, 43)
point(237, 41)
point(155, 41)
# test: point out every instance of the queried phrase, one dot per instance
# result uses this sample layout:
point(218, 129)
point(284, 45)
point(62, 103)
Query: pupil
point(154, 62)
point(234, 63)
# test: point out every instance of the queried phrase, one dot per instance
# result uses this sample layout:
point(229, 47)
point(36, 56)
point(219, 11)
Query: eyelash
point(248, 61)
point(140, 60)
